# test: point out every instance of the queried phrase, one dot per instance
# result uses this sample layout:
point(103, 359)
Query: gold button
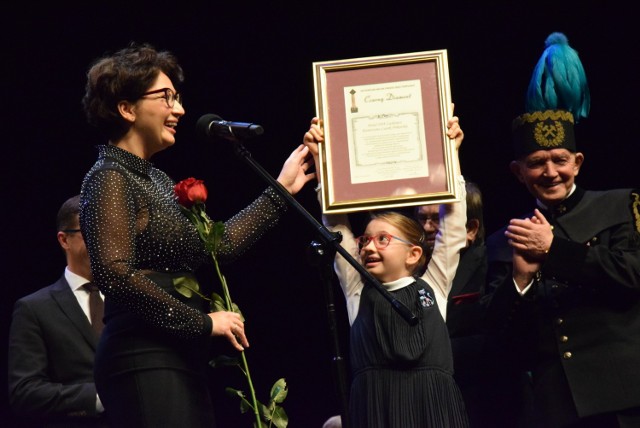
point(559, 321)
point(564, 339)
point(566, 355)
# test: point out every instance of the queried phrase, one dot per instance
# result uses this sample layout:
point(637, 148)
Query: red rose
point(190, 192)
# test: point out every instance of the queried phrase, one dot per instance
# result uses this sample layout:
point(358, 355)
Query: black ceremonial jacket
point(581, 318)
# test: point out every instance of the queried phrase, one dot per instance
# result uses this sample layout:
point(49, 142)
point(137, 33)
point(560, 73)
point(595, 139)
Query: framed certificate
point(385, 122)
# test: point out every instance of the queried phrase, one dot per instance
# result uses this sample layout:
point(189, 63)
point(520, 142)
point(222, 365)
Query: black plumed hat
point(557, 98)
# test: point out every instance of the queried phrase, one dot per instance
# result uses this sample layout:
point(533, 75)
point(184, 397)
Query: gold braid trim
point(539, 116)
point(635, 207)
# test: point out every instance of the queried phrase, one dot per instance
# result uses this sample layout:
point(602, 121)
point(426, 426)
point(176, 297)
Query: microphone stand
point(328, 237)
point(332, 241)
point(324, 260)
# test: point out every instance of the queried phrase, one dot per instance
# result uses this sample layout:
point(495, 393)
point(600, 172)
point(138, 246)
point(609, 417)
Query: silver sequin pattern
point(131, 223)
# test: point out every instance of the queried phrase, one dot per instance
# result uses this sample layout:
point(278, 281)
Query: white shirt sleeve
point(450, 240)
point(350, 279)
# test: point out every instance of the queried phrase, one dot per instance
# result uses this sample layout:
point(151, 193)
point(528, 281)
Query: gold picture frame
point(385, 122)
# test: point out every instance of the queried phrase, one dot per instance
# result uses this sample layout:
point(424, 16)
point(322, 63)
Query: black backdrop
point(253, 62)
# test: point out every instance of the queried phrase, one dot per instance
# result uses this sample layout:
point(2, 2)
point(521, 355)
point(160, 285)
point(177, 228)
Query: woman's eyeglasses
point(381, 240)
point(169, 96)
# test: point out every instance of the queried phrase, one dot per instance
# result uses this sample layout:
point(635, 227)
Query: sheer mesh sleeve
point(245, 228)
point(112, 218)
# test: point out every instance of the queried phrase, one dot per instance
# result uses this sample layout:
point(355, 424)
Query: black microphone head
point(254, 130)
point(203, 126)
point(212, 125)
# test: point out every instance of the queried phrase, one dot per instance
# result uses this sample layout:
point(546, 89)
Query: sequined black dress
point(152, 354)
point(402, 374)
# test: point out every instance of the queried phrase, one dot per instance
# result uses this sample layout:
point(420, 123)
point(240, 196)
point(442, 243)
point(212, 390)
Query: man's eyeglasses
point(424, 218)
point(169, 96)
point(70, 230)
point(381, 240)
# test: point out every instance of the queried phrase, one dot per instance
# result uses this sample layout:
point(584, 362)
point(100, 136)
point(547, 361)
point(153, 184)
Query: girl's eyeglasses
point(381, 240)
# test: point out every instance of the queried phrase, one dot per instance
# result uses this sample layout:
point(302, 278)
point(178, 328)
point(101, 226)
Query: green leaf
point(280, 418)
point(237, 310)
point(189, 214)
point(234, 392)
point(279, 391)
point(186, 286)
point(245, 406)
point(209, 244)
point(217, 230)
point(217, 303)
point(264, 411)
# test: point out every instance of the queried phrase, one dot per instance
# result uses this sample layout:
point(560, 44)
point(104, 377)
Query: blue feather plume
point(559, 80)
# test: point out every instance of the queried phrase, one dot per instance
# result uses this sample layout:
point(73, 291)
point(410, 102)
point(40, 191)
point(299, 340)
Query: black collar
point(566, 205)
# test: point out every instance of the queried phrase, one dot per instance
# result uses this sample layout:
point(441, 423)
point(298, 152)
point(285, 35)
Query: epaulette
point(635, 208)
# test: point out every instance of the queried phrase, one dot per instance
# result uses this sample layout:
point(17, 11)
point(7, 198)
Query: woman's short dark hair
point(125, 75)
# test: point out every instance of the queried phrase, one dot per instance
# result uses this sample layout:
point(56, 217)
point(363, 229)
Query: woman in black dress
point(153, 352)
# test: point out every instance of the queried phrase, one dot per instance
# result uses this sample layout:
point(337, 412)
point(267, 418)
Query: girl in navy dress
point(401, 374)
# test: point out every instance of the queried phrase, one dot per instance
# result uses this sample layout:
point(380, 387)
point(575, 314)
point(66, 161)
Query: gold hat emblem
point(549, 134)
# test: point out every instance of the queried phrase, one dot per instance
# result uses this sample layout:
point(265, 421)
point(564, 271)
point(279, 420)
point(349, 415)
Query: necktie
point(96, 307)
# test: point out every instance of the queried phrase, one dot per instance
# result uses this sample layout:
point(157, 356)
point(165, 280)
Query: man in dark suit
point(464, 314)
point(567, 301)
point(468, 283)
point(490, 401)
point(52, 343)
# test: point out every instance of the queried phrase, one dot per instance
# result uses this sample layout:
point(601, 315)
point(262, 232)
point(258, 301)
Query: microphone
point(212, 125)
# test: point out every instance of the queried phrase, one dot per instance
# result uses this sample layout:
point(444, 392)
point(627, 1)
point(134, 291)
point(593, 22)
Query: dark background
point(252, 62)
